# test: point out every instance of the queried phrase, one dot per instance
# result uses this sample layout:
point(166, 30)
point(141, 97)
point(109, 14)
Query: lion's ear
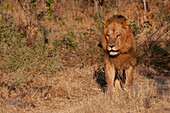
point(126, 23)
point(105, 23)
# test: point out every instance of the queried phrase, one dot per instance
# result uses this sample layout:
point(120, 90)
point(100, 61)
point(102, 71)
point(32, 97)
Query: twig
point(152, 35)
point(21, 5)
point(144, 4)
point(27, 15)
point(153, 42)
point(72, 5)
point(17, 102)
point(62, 6)
point(96, 6)
point(73, 8)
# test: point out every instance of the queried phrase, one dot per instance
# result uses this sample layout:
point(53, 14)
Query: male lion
point(119, 47)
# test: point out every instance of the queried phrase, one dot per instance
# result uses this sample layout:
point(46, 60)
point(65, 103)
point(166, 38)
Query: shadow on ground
point(162, 83)
point(100, 78)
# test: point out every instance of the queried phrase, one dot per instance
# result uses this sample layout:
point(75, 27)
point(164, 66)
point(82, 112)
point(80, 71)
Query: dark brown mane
point(118, 18)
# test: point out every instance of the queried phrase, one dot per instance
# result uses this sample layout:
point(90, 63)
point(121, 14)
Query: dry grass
point(76, 91)
point(52, 64)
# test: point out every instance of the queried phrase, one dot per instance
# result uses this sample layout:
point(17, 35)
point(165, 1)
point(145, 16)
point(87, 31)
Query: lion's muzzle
point(112, 51)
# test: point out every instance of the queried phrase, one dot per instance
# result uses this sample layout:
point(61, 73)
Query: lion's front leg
point(129, 76)
point(110, 76)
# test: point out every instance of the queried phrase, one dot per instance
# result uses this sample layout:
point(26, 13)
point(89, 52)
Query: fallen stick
point(18, 102)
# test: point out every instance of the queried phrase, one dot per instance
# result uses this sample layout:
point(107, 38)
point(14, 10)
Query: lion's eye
point(108, 35)
point(117, 36)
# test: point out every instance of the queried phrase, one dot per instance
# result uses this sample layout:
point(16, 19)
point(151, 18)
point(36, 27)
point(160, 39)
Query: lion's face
point(114, 37)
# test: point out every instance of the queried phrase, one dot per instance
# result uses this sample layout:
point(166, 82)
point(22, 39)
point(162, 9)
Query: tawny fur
point(118, 33)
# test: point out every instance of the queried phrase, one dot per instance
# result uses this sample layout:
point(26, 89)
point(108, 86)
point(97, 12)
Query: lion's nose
point(111, 45)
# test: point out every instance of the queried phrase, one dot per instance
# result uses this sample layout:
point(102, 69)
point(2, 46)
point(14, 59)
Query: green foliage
point(61, 24)
point(49, 5)
point(147, 24)
point(17, 54)
point(34, 5)
point(109, 4)
point(162, 16)
point(7, 6)
point(136, 29)
point(79, 48)
point(80, 19)
point(156, 53)
point(98, 23)
point(68, 40)
point(71, 39)
point(49, 14)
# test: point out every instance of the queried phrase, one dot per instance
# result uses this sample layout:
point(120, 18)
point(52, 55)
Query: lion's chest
point(123, 61)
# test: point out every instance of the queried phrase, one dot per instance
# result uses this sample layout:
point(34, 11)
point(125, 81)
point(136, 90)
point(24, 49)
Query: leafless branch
point(62, 6)
point(144, 4)
point(153, 42)
point(17, 102)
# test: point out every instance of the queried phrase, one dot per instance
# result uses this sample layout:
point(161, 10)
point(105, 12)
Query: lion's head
point(116, 35)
